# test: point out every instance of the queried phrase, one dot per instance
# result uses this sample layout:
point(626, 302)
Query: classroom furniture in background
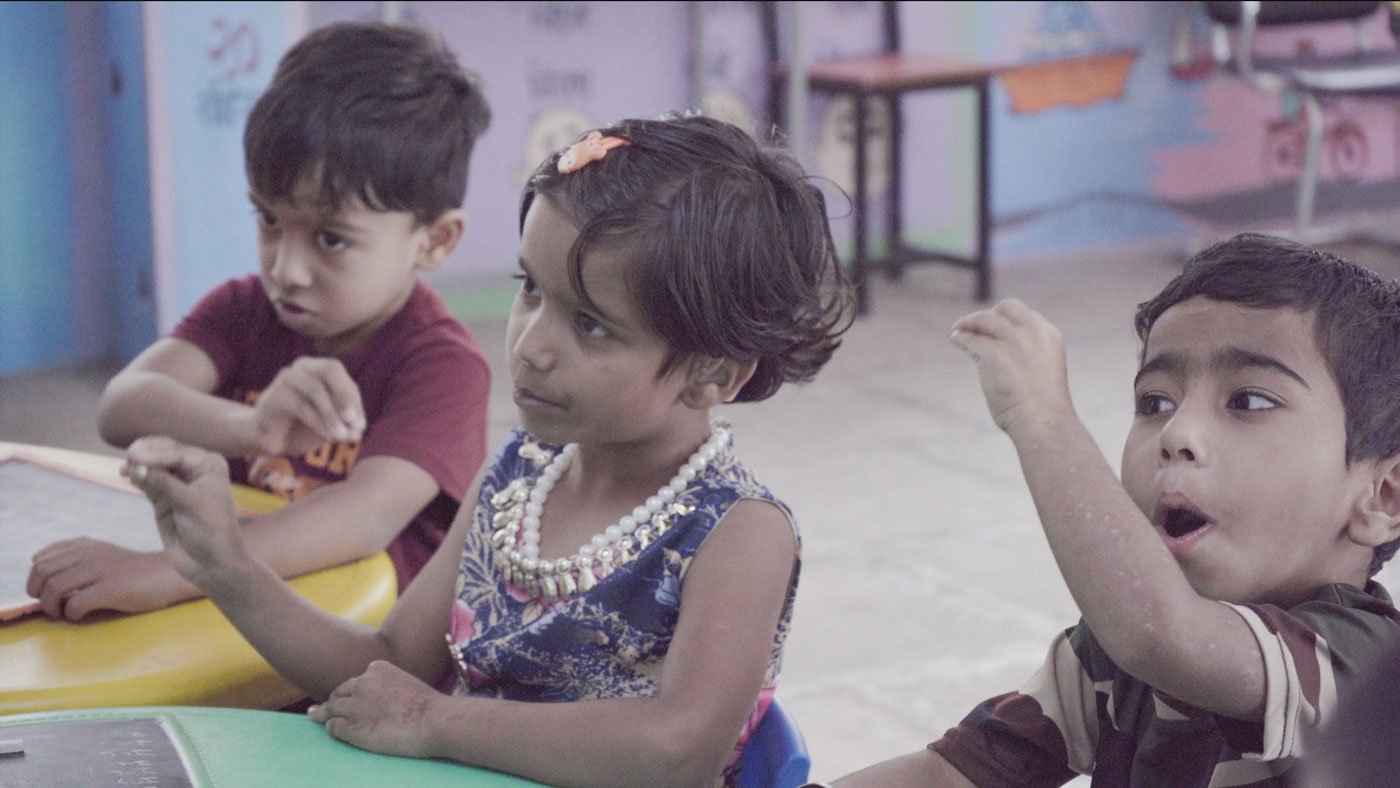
point(186, 654)
point(776, 755)
point(888, 76)
point(1312, 79)
point(203, 748)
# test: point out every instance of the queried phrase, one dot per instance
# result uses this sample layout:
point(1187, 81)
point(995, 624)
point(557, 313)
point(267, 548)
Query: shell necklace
point(517, 522)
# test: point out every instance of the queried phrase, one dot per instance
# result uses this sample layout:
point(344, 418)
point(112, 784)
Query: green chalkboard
point(89, 753)
point(203, 747)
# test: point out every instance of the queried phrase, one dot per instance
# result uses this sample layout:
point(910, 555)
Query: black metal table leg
point(984, 195)
point(894, 195)
point(859, 259)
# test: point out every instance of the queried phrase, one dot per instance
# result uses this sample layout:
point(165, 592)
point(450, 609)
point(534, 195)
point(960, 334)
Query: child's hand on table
point(310, 402)
point(1020, 360)
point(384, 710)
point(193, 500)
point(75, 577)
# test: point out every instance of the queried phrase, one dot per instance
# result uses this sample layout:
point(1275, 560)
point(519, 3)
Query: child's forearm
point(619, 741)
point(1127, 585)
point(313, 649)
point(138, 403)
point(345, 521)
point(922, 769)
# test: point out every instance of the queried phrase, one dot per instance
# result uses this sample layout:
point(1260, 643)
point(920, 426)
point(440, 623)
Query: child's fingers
point(186, 463)
point(311, 401)
point(1015, 311)
point(329, 389)
point(55, 572)
point(986, 322)
point(54, 588)
point(343, 392)
point(53, 551)
point(972, 343)
point(157, 451)
point(346, 396)
point(79, 602)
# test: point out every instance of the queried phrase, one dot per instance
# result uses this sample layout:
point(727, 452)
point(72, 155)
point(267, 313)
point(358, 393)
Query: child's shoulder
point(234, 321)
point(426, 321)
point(243, 293)
point(425, 307)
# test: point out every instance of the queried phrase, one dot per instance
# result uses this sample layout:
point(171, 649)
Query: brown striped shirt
point(1080, 714)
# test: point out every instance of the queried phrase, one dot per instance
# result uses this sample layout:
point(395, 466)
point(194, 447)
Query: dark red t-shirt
point(423, 381)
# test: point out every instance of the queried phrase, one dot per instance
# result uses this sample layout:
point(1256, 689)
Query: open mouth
point(1180, 522)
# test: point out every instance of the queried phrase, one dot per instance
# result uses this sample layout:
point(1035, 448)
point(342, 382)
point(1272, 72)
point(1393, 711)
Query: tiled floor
point(926, 583)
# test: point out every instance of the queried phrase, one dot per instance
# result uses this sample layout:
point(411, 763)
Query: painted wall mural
point(1070, 62)
point(1110, 124)
point(208, 63)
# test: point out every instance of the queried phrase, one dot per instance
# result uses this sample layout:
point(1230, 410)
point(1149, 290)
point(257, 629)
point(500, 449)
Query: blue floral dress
point(512, 641)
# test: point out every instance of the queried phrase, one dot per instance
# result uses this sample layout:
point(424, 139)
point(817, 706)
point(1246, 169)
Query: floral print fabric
point(610, 641)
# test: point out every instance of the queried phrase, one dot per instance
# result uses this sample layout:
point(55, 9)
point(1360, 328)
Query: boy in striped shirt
point(1225, 583)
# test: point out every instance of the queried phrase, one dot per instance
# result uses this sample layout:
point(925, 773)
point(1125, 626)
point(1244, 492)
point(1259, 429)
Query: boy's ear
point(1376, 515)
point(440, 238)
point(710, 380)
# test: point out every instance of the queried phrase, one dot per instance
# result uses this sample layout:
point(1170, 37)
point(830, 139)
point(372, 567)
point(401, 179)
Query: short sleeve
point(218, 324)
point(1042, 735)
point(434, 414)
point(1300, 682)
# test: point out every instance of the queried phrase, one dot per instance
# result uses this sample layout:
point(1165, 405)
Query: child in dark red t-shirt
point(334, 378)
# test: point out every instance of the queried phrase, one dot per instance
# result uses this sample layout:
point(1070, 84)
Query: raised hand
point(384, 710)
point(193, 500)
point(310, 402)
point(1020, 360)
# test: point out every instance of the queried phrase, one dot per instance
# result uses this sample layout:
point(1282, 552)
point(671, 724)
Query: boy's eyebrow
point(333, 222)
point(1239, 358)
point(328, 220)
point(1230, 358)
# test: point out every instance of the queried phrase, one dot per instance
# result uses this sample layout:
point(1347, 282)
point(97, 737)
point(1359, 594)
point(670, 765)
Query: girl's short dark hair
point(1356, 322)
point(729, 250)
point(383, 112)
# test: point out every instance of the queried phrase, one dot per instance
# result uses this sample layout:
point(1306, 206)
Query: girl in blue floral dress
point(615, 603)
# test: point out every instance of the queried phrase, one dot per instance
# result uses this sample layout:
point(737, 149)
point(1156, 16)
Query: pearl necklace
point(517, 522)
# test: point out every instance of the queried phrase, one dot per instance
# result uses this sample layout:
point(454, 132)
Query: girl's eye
point(1152, 404)
point(1251, 400)
point(265, 218)
point(527, 284)
point(331, 241)
point(591, 327)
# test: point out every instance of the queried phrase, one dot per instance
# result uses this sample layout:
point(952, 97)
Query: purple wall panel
point(551, 70)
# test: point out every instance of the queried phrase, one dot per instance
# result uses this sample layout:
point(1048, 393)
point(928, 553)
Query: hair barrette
point(591, 148)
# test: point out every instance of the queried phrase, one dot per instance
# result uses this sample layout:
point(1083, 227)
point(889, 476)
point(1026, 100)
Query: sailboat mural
point(1069, 62)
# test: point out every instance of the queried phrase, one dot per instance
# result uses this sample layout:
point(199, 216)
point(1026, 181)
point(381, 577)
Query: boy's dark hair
point(1356, 321)
point(378, 111)
point(730, 254)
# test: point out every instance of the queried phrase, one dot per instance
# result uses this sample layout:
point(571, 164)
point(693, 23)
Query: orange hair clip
point(589, 149)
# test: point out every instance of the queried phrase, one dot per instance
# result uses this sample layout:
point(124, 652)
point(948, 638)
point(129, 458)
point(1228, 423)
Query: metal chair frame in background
point(1365, 72)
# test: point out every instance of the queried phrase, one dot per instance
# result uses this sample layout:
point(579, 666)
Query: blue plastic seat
point(776, 755)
